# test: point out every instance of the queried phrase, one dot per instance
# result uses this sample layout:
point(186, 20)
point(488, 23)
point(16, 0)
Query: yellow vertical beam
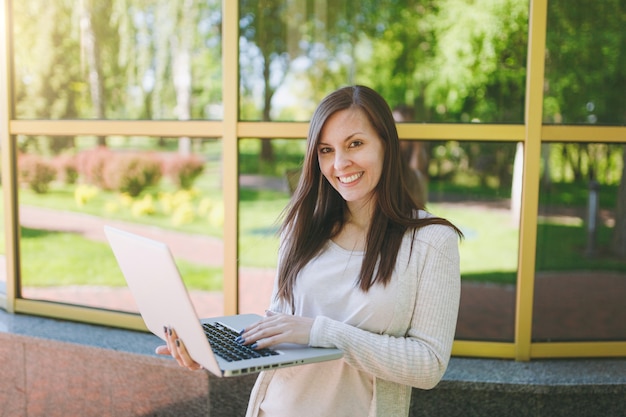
point(9, 190)
point(230, 162)
point(530, 185)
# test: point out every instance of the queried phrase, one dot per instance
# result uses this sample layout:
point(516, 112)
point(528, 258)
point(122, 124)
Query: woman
point(361, 268)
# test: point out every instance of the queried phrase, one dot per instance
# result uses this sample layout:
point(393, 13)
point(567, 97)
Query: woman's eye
point(324, 150)
point(356, 144)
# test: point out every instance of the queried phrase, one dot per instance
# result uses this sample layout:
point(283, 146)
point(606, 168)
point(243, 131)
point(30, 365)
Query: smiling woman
point(350, 154)
point(388, 294)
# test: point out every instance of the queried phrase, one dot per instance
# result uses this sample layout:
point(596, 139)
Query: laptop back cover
point(148, 267)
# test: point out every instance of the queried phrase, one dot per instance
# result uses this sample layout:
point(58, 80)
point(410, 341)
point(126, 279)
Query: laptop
point(156, 285)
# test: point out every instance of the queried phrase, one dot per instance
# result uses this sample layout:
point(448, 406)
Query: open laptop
point(160, 294)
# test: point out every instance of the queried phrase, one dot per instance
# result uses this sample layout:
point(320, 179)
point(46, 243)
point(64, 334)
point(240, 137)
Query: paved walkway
point(202, 250)
point(567, 306)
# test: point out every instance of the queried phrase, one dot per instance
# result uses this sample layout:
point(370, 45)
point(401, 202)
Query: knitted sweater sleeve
point(420, 356)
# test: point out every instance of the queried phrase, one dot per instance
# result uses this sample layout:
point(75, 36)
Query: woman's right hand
point(176, 348)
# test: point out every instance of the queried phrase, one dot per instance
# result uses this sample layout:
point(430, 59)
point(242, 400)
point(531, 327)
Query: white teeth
point(351, 178)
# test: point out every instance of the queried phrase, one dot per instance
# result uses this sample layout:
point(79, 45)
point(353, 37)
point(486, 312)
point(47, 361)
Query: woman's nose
point(342, 160)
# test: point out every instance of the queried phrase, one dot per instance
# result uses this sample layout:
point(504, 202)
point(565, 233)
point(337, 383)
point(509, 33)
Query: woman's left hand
point(276, 328)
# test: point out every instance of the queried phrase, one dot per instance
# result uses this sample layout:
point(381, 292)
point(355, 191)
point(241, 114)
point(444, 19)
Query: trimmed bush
point(133, 172)
point(91, 165)
point(36, 171)
point(183, 170)
point(67, 169)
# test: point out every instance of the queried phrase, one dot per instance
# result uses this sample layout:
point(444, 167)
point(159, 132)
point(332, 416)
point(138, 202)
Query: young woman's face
point(351, 154)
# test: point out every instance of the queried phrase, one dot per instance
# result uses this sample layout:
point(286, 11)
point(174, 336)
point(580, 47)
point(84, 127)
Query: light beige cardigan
point(414, 351)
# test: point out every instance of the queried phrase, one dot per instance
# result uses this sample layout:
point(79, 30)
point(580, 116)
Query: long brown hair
point(317, 212)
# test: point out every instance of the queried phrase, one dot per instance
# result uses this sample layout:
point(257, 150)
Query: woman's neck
point(360, 214)
point(353, 233)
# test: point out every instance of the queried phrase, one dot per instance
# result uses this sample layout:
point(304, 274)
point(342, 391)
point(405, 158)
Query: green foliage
point(582, 162)
point(576, 195)
point(117, 59)
point(289, 154)
point(585, 63)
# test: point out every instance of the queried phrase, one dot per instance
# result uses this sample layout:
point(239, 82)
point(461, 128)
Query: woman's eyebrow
point(347, 138)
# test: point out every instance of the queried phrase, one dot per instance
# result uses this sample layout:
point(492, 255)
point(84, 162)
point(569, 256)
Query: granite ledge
point(538, 376)
point(568, 376)
point(79, 333)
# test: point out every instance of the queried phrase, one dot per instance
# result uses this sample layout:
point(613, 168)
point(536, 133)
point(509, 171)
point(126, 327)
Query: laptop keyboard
point(222, 340)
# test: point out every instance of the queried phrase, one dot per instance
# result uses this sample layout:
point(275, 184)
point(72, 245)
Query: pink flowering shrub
point(133, 172)
point(67, 168)
point(36, 171)
point(183, 170)
point(91, 165)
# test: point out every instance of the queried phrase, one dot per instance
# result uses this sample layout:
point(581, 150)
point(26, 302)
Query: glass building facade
point(186, 122)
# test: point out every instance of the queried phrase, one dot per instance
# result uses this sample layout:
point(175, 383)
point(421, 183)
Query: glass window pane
point(585, 74)
point(3, 269)
point(117, 60)
point(475, 185)
point(265, 189)
point(472, 192)
point(461, 63)
point(140, 184)
point(580, 279)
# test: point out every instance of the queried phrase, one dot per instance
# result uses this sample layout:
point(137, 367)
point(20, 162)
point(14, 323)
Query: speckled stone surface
point(52, 378)
point(54, 367)
point(84, 334)
point(57, 368)
point(550, 388)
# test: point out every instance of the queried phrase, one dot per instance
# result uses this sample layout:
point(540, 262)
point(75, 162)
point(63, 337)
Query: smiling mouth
point(351, 178)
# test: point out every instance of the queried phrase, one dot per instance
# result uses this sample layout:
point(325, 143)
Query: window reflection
point(473, 184)
point(143, 185)
point(468, 66)
point(265, 189)
point(580, 282)
point(472, 194)
point(584, 76)
point(132, 60)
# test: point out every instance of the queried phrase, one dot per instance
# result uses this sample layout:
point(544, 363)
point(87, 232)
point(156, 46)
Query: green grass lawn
point(488, 253)
point(60, 259)
point(489, 249)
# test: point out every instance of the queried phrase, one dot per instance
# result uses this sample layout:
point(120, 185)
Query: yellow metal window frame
point(532, 134)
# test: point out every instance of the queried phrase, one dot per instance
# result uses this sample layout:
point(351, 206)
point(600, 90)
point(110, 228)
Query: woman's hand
point(276, 328)
point(177, 350)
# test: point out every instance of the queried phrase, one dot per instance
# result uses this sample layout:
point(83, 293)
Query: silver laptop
point(163, 301)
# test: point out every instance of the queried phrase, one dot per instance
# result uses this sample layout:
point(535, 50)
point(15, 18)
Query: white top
point(393, 338)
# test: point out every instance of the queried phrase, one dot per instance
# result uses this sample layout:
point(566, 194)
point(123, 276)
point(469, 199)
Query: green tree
point(585, 63)
point(48, 82)
point(618, 244)
point(91, 35)
point(585, 76)
point(264, 27)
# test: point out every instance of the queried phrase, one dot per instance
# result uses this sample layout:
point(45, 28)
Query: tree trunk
point(619, 232)
point(92, 55)
point(181, 68)
point(267, 152)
